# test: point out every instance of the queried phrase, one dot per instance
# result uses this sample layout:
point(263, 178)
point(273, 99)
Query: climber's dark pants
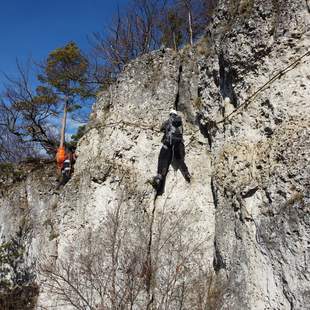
point(164, 160)
point(167, 155)
point(65, 177)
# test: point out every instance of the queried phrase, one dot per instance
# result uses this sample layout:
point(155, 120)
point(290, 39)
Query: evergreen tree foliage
point(66, 71)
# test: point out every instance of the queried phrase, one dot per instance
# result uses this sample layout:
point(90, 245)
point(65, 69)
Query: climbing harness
point(174, 130)
point(67, 167)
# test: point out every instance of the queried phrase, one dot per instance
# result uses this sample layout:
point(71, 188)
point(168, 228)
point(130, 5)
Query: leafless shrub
point(134, 259)
point(24, 115)
point(18, 289)
point(144, 26)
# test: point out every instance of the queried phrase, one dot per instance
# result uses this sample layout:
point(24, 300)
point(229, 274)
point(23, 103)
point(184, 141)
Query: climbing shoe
point(156, 181)
point(187, 177)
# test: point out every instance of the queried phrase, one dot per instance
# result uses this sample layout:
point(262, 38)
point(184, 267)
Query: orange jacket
point(60, 157)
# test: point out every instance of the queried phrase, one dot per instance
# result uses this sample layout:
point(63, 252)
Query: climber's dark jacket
point(163, 128)
point(175, 121)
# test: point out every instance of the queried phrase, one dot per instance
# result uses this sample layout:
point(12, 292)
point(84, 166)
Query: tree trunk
point(190, 28)
point(64, 120)
point(174, 41)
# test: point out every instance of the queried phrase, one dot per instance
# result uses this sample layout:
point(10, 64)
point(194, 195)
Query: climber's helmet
point(173, 112)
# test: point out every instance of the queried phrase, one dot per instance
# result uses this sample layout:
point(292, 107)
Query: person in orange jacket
point(65, 162)
point(60, 158)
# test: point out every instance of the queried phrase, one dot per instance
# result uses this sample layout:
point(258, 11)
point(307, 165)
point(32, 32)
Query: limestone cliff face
point(260, 158)
point(237, 237)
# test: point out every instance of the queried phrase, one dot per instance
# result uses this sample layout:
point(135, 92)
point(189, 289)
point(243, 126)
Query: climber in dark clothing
point(172, 151)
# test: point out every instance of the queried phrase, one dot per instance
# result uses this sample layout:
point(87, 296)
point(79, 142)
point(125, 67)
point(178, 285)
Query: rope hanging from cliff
point(263, 87)
point(126, 123)
point(290, 67)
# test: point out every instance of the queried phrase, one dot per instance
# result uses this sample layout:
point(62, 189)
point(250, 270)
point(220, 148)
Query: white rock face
point(237, 236)
point(116, 158)
point(259, 159)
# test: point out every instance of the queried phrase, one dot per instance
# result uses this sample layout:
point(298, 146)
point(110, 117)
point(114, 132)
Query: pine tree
point(66, 74)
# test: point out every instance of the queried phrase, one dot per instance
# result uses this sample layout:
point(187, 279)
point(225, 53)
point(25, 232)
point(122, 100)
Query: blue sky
point(35, 27)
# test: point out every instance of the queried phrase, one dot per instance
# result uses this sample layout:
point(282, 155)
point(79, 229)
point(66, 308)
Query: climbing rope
point(246, 103)
point(149, 247)
point(263, 87)
point(250, 99)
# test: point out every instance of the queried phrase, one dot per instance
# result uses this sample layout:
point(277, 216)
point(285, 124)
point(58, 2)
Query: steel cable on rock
point(250, 99)
point(292, 66)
